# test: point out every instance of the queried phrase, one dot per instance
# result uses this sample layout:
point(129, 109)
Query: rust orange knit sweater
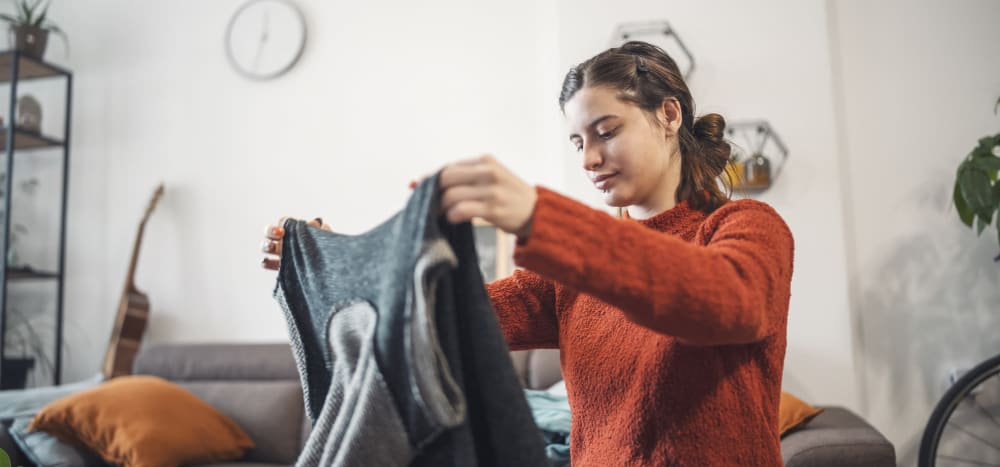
point(671, 329)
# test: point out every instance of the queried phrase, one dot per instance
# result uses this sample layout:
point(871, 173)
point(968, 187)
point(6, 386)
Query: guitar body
point(133, 312)
point(130, 325)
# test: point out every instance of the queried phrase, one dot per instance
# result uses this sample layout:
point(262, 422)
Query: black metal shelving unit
point(15, 68)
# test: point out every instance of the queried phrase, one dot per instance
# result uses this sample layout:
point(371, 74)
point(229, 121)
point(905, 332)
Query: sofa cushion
point(270, 412)
point(793, 413)
point(144, 420)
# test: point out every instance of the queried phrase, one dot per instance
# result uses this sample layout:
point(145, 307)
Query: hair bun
point(710, 127)
point(709, 131)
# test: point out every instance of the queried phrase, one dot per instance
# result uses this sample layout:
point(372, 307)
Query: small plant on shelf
point(30, 27)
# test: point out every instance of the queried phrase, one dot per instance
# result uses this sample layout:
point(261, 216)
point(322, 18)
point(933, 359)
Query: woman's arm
point(733, 290)
point(525, 308)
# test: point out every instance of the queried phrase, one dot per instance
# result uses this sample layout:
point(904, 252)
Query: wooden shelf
point(27, 68)
point(28, 273)
point(24, 139)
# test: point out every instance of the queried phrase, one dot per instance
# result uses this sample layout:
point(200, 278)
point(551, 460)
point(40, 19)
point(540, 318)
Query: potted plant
point(30, 28)
point(24, 347)
point(977, 191)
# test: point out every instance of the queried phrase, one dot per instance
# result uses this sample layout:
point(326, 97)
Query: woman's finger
point(275, 232)
point(270, 263)
point(467, 174)
point(272, 247)
point(460, 193)
point(465, 211)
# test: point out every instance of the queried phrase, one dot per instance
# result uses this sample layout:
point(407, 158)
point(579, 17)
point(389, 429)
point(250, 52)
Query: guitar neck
point(130, 282)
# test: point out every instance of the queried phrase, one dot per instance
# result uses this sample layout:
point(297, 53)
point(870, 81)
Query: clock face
point(265, 38)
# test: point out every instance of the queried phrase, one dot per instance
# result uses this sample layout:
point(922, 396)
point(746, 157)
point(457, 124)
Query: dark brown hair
point(644, 75)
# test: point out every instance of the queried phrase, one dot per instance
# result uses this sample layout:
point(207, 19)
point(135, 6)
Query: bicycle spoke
point(959, 459)
point(985, 412)
point(963, 430)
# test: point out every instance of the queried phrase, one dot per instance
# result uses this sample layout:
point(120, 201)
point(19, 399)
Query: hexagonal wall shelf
point(758, 155)
point(659, 33)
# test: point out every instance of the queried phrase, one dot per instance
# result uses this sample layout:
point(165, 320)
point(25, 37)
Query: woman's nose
point(592, 159)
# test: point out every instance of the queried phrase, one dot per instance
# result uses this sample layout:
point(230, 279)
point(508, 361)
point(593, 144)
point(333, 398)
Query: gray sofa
point(258, 387)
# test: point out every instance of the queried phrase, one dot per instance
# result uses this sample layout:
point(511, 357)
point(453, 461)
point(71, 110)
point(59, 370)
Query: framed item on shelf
point(495, 249)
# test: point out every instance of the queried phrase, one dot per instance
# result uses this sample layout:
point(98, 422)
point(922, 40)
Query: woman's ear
point(670, 114)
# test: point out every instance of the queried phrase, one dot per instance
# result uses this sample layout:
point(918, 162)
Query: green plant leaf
point(996, 106)
point(41, 16)
point(975, 185)
point(998, 236)
point(988, 163)
point(964, 212)
point(30, 11)
point(984, 221)
point(8, 18)
point(980, 225)
point(24, 11)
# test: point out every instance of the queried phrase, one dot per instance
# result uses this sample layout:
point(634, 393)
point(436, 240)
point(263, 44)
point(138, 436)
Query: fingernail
point(267, 246)
point(319, 220)
point(278, 231)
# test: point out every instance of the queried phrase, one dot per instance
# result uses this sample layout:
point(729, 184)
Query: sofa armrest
point(837, 437)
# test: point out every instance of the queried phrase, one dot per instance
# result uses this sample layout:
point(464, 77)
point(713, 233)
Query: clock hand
point(263, 39)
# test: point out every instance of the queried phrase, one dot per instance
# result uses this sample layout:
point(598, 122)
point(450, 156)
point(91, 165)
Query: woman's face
point(629, 158)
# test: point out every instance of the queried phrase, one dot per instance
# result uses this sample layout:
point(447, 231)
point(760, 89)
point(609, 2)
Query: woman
point(671, 323)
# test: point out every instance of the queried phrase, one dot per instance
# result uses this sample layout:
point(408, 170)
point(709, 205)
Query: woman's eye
point(606, 136)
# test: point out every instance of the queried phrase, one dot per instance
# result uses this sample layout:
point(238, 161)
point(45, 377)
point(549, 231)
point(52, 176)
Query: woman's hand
point(271, 245)
point(484, 188)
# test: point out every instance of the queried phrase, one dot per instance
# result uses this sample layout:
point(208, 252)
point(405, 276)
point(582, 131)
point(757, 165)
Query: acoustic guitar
point(133, 311)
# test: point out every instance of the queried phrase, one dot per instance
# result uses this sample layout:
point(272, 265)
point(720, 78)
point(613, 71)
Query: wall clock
point(265, 38)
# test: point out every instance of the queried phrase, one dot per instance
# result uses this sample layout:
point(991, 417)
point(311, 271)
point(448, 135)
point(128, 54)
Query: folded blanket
point(552, 415)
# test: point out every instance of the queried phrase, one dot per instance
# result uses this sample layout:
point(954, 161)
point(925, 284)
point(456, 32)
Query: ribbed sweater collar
point(680, 218)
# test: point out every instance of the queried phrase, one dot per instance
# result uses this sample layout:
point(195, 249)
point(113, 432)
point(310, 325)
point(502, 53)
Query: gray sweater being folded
point(401, 358)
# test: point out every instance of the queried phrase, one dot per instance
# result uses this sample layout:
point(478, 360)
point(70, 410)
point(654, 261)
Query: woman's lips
point(602, 181)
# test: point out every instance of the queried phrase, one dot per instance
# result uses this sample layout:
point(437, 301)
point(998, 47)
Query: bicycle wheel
point(964, 429)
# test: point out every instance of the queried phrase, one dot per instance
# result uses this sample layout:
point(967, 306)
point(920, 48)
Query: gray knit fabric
point(399, 352)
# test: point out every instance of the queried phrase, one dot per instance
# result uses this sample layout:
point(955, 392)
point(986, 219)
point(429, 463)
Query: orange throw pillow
point(144, 421)
point(793, 413)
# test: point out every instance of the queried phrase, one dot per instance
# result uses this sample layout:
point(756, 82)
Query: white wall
point(385, 92)
point(919, 79)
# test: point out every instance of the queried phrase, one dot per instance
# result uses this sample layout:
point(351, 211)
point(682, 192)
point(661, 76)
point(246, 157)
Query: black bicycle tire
point(944, 408)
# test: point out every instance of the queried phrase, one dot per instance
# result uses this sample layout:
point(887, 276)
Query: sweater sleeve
point(525, 307)
point(732, 289)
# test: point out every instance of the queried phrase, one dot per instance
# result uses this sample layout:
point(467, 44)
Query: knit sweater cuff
point(557, 245)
